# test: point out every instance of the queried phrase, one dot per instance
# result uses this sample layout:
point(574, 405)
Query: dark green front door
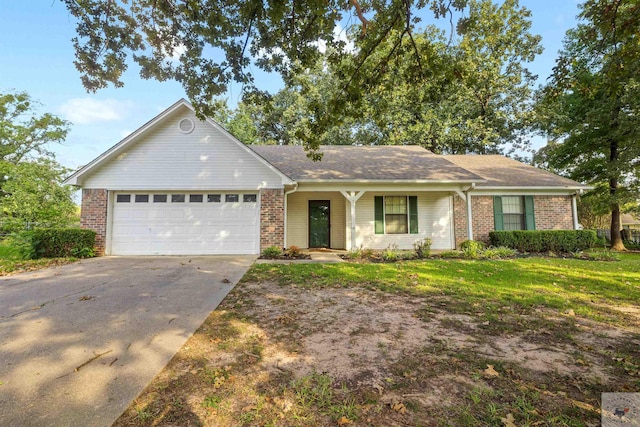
point(319, 224)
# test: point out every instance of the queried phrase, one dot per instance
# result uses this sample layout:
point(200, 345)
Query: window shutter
point(529, 213)
point(413, 214)
point(498, 222)
point(379, 214)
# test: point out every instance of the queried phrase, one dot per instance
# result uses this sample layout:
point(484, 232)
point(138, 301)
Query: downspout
point(295, 188)
point(574, 208)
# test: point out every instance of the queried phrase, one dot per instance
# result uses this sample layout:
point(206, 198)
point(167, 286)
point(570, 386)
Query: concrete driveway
point(79, 342)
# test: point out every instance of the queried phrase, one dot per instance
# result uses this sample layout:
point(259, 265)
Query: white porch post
point(574, 208)
point(352, 197)
point(469, 217)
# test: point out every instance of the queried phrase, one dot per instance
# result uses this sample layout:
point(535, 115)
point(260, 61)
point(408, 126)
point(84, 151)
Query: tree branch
point(361, 17)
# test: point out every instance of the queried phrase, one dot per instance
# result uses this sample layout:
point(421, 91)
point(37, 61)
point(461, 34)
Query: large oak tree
point(591, 107)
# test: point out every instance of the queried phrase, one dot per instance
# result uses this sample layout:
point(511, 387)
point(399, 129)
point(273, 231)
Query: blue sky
point(36, 56)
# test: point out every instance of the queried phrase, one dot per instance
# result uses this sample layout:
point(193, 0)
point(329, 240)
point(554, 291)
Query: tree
point(33, 195)
point(473, 95)
point(205, 45)
point(591, 107)
point(30, 179)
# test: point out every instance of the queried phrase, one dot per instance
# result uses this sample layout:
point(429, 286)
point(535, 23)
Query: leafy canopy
point(591, 107)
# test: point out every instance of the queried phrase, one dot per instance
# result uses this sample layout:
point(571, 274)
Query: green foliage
point(422, 247)
point(30, 179)
point(472, 248)
point(539, 241)
point(18, 246)
point(272, 252)
point(63, 242)
point(605, 255)
point(590, 109)
point(501, 252)
point(451, 254)
point(390, 254)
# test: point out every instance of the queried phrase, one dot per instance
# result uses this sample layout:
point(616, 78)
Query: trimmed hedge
point(63, 242)
point(563, 241)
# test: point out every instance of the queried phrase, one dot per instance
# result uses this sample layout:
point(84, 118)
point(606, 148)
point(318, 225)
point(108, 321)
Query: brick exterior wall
point(93, 215)
point(271, 218)
point(551, 213)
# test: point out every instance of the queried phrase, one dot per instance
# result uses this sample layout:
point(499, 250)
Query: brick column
point(271, 218)
point(93, 215)
point(482, 217)
point(459, 219)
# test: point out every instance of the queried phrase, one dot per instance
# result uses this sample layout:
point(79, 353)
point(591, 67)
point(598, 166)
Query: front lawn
point(532, 341)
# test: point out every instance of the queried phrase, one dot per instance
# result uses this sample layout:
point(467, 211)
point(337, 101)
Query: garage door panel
point(185, 228)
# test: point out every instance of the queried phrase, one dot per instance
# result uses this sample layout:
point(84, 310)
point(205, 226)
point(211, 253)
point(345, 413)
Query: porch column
point(352, 197)
point(469, 217)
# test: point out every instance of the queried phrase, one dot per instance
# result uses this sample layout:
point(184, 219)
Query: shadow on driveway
point(79, 342)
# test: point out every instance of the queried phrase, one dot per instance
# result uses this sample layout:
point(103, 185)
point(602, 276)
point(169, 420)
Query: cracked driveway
point(79, 342)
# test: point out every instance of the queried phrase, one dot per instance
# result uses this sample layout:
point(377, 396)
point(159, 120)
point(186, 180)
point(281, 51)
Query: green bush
point(422, 247)
point(272, 252)
point(451, 254)
point(391, 253)
point(63, 242)
point(472, 248)
point(563, 241)
point(498, 253)
point(18, 247)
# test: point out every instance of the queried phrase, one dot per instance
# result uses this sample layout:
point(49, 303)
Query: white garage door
point(192, 223)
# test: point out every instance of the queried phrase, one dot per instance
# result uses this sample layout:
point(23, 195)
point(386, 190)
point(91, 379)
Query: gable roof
point(365, 163)
point(503, 172)
point(134, 137)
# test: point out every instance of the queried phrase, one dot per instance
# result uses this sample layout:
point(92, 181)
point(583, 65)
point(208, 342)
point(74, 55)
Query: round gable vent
point(186, 125)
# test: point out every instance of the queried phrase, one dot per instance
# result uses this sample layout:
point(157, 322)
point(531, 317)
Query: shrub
point(391, 253)
point(472, 248)
point(272, 252)
point(605, 255)
point(498, 253)
point(18, 247)
point(422, 247)
point(63, 242)
point(564, 241)
point(293, 251)
point(451, 254)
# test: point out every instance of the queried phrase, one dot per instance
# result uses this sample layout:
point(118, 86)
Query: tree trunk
point(616, 236)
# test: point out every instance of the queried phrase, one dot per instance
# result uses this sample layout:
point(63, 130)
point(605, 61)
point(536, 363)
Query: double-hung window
point(396, 214)
point(513, 213)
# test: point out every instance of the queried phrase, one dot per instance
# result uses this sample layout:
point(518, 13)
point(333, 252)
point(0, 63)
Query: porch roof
point(361, 163)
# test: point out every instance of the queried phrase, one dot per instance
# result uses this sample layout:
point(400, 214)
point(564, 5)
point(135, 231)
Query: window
point(396, 214)
point(177, 198)
point(159, 198)
point(142, 198)
point(195, 198)
point(123, 198)
point(249, 198)
point(513, 213)
point(213, 198)
point(231, 198)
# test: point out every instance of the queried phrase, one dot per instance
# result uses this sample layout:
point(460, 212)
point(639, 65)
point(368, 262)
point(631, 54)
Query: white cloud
point(90, 110)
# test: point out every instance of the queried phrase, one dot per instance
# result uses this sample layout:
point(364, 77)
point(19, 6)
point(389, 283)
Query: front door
point(319, 224)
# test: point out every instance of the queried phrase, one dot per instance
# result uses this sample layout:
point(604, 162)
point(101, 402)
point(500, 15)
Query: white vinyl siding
point(298, 218)
point(167, 159)
point(435, 220)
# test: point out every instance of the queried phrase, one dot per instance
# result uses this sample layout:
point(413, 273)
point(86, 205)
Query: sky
point(36, 56)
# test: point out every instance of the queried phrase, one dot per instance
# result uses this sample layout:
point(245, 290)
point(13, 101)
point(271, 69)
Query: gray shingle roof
point(351, 163)
point(500, 171)
point(407, 163)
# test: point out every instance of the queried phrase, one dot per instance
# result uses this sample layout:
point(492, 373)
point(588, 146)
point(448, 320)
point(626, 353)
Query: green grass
point(589, 288)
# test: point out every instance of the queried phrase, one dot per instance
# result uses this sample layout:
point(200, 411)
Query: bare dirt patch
point(288, 355)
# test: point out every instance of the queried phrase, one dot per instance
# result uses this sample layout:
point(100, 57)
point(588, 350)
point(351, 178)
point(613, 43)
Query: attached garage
point(185, 223)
